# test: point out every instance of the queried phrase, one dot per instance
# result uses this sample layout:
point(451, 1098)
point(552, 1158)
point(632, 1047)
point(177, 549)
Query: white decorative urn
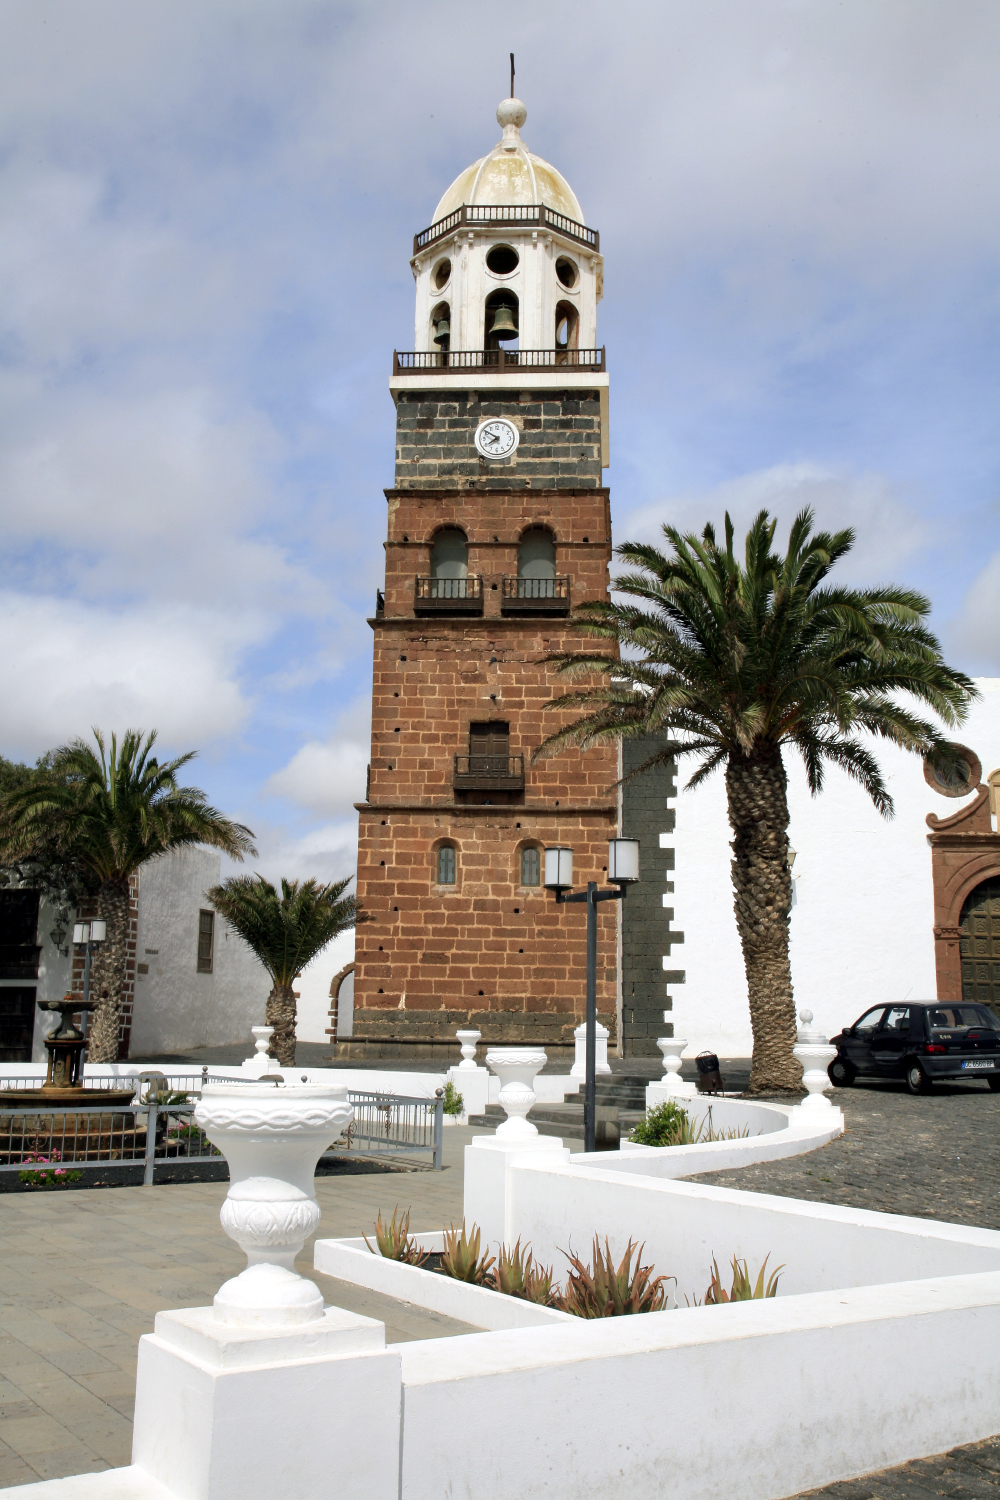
point(468, 1040)
point(815, 1054)
point(516, 1068)
point(261, 1063)
point(601, 1064)
point(272, 1133)
point(673, 1084)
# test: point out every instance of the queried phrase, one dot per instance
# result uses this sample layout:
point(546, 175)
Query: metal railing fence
point(44, 1139)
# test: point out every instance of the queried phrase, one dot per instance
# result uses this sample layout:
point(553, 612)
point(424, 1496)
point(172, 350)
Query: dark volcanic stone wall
point(559, 445)
point(647, 936)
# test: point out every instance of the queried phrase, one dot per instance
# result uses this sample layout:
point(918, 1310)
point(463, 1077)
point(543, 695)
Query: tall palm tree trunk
point(108, 970)
point(756, 789)
point(281, 1015)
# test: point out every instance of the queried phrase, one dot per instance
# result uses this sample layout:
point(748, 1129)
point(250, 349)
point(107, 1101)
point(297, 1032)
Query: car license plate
point(986, 1063)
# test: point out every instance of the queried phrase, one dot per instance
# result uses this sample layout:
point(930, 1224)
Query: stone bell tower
point(498, 526)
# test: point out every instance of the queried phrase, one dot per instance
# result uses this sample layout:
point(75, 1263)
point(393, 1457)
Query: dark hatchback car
point(920, 1042)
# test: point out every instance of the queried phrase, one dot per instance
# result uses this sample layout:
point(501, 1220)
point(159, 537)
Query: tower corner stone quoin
point(485, 559)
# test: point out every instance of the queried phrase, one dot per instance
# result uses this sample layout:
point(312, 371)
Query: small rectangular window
point(206, 940)
point(446, 865)
point(529, 866)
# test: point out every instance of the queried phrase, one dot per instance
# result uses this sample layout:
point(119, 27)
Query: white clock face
point(496, 438)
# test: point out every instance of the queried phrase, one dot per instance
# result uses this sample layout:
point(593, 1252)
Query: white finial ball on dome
point(511, 112)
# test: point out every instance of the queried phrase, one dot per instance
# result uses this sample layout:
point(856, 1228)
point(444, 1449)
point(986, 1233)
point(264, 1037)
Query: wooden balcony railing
point(535, 596)
point(489, 773)
point(434, 361)
point(528, 215)
point(448, 596)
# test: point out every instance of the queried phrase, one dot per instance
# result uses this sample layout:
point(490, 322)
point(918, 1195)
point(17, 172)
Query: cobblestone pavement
point(936, 1156)
point(968, 1473)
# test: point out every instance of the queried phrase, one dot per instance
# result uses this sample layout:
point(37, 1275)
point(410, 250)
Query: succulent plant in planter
point(394, 1241)
point(518, 1275)
point(743, 1288)
point(607, 1291)
point(461, 1258)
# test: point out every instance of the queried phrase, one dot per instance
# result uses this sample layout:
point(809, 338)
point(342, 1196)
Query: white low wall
point(760, 1399)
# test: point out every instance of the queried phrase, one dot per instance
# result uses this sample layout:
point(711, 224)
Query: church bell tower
point(498, 527)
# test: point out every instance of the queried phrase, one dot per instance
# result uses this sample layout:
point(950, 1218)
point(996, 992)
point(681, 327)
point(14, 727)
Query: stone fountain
point(64, 1077)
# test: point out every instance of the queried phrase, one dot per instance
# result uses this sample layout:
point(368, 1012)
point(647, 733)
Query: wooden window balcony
point(448, 596)
point(489, 773)
point(535, 596)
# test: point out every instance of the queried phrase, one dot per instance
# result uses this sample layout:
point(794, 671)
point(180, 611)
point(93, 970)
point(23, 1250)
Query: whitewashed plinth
point(474, 1086)
point(272, 1134)
point(230, 1413)
point(488, 1159)
point(579, 1068)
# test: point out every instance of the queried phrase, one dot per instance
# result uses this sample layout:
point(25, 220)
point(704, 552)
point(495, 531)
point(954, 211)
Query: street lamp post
point(88, 935)
point(623, 871)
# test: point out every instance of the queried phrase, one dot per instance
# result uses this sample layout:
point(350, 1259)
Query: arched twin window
point(445, 865)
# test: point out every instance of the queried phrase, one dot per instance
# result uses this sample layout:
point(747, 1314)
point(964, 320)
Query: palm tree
point(109, 815)
point(285, 933)
point(736, 660)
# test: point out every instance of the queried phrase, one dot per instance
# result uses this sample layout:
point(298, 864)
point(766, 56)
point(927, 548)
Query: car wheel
point(916, 1079)
point(842, 1075)
point(994, 1084)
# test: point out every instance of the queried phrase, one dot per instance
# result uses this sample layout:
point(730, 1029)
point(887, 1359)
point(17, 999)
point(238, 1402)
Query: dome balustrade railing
point(534, 215)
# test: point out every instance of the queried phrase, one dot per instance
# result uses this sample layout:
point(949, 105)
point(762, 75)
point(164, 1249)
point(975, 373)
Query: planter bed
point(492, 1311)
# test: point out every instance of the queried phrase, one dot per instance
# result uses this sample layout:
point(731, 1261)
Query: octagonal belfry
point(498, 527)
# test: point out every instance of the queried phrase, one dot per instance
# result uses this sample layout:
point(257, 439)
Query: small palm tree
point(737, 660)
point(285, 932)
point(109, 815)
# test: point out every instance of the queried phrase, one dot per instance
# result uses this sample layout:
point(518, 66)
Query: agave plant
point(461, 1258)
point(518, 1275)
point(394, 1241)
point(743, 1289)
point(607, 1291)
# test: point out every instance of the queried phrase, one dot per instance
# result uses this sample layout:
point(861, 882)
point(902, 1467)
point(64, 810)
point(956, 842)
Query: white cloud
point(976, 631)
point(888, 530)
point(328, 852)
point(67, 666)
point(325, 778)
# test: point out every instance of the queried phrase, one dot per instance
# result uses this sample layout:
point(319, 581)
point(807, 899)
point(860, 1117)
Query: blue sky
point(207, 219)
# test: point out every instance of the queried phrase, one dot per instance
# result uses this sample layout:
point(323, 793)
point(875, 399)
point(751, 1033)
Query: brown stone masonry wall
point(964, 852)
point(487, 951)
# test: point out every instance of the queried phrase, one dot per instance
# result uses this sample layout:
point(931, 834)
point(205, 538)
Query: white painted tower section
point(554, 271)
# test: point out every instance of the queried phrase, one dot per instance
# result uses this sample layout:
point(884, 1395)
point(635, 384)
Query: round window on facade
point(442, 274)
point(954, 777)
point(566, 271)
point(502, 260)
point(444, 871)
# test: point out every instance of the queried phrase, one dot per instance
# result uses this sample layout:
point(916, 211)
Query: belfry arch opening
point(502, 323)
point(441, 326)
point(567, 326)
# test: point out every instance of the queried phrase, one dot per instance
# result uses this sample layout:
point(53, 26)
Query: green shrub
point(666, 1125)
point(454, 1104)
point(609, 1292)
point(669, 1125)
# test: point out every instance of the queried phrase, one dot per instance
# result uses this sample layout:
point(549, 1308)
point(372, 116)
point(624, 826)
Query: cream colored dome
point(511, 174)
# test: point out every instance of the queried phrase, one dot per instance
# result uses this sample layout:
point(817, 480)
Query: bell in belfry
point(442, 332)
point(504, 326)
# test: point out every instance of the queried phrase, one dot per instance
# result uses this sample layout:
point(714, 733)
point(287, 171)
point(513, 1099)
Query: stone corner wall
point(648, 937)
